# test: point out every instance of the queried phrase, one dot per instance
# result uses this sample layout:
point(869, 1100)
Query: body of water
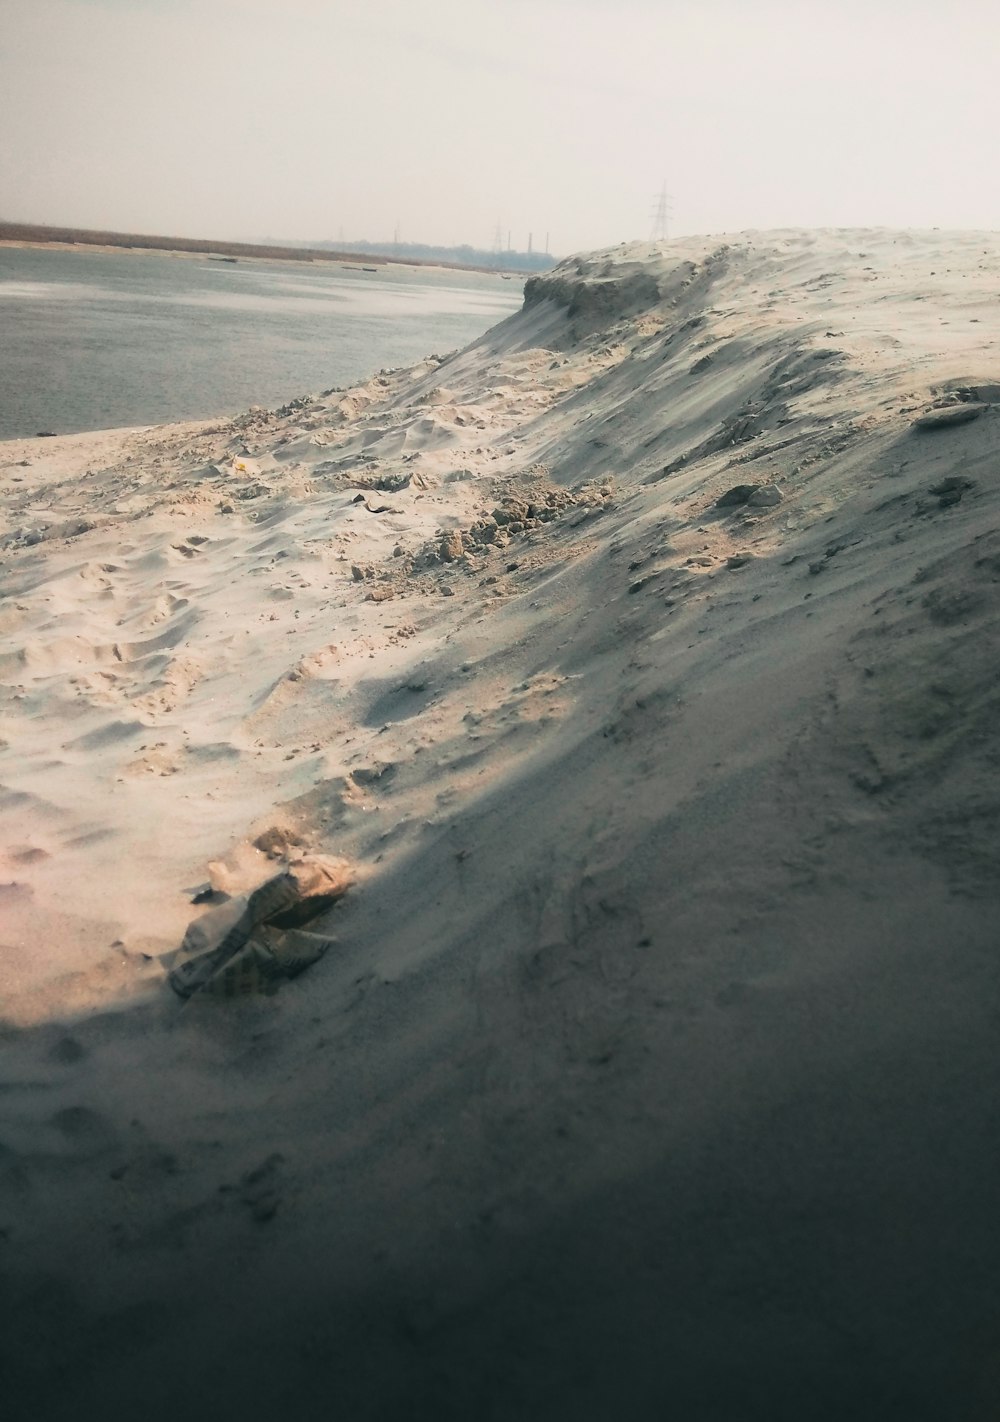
point(93, 340)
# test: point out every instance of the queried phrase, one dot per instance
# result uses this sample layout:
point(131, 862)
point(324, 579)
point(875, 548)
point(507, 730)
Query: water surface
point(91, 340)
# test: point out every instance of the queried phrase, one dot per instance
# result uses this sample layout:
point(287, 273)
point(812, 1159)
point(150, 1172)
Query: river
point(92, 340)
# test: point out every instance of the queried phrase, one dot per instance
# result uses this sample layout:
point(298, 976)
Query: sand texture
point(639, 667)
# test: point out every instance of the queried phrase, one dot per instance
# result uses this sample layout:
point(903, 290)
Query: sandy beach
point(639, 666)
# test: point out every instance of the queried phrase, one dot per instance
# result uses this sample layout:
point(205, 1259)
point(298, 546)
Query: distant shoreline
point(33, 235)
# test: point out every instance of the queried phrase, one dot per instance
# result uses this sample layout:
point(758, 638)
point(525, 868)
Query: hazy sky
point(321, 118)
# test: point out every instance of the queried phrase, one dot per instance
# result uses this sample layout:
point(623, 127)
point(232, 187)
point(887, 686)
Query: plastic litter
point(253, 943)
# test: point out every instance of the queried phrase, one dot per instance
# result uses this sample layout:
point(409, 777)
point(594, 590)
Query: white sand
point(655, 1072)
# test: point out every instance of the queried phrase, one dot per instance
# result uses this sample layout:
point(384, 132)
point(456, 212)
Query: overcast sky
point(321, 118)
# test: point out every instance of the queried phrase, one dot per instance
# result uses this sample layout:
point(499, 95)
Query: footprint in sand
point(260, 1190)
point(67, 1051)
point(166, 606)
point(395, 701)
point(154, 760)
point(178, 679)
point(23, 854)
point(184, 549)
point(81, 1134)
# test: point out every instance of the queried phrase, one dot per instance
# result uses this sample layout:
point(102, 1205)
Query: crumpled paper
point(254, 942)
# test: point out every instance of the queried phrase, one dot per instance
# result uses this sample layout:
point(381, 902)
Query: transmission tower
point(662, 214)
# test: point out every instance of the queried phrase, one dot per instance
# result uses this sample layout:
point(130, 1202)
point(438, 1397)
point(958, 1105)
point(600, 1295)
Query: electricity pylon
point(662, 214)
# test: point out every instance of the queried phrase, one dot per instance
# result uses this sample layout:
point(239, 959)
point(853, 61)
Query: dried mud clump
point(514, 515)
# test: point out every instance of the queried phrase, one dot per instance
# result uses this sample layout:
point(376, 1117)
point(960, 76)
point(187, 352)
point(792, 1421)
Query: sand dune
point(641, 660)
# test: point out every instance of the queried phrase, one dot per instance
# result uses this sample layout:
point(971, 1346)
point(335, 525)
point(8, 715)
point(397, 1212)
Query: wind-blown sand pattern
point(642, 662)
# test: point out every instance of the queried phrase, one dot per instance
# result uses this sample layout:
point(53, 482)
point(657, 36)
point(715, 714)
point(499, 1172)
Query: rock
point(370, 774)
point(949, 491)
point(513, 511)
point(766, 496)
point(277, 842)
point(948, 416)
point(738, 560)
point(451, 547)
point(380, 594)
point(385, 483)
point(738, 494)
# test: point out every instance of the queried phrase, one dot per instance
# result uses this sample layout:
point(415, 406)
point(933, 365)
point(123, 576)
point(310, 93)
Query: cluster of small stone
point(515, 515)
point(519, 515)
point(253, 421)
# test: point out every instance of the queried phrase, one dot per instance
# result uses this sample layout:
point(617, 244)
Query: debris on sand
point(250, 944)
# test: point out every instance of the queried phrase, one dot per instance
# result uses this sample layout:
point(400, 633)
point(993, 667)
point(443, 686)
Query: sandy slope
point(655, 1071)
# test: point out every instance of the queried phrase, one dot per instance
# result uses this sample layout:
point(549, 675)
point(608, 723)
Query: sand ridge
point(672, 810)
